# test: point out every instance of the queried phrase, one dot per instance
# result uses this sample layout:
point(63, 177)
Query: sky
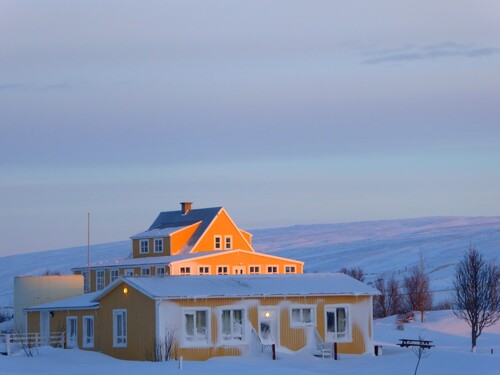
point(284, 112)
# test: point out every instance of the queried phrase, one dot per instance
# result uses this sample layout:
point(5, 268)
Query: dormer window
point(228, 242)
point(158, 245)
point(144, 247)
point(217, 242)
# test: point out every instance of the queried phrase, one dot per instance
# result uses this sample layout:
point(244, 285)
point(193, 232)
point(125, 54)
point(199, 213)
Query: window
point(196, 329)
point(204, 270)
point(254, 270)
point(158, 248)
point(337, 323)
point(99, 279)
point(232, 327)
point(85, 275)
point(144, 247)
point(217, 242)
point(228, 242)
point(290, 269)
point(222, 270)
point(145, 271)
point(114, 275)
point(272, 269)
point(120, 328)
point(160, 271)
point(303, 316)
point(185, 270)
point(129, 272)
point(88, 331)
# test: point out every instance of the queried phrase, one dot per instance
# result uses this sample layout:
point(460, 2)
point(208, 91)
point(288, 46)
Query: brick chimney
point(186, 207)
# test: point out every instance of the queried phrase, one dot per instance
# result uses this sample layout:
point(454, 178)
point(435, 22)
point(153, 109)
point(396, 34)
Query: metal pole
point(88, 253)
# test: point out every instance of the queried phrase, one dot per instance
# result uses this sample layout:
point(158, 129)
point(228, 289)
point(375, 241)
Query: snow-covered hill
point(378, 247)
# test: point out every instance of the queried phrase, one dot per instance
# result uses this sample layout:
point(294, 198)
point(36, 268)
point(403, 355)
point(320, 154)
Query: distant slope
point(378, 247)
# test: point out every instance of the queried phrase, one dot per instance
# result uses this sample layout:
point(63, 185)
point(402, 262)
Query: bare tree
point(389, 302)
point(421, 352)
point(418, 295)
point(354, 272)
point(476, 295)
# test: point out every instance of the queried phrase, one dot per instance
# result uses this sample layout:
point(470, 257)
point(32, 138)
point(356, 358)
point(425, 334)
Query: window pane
point(238, 324)
point(226, 322)
point(201, 323)
point(119, 325)
point(330, 321)
point(306, 316)
point(296, 315)
point(189, 324)
point(341, 320)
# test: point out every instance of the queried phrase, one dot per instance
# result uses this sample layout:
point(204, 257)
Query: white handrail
point(30, 340)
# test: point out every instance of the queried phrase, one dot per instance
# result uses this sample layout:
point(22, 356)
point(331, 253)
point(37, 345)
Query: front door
point(44, 327)
point(71, 332)
point(238, 270)
point(268, 325)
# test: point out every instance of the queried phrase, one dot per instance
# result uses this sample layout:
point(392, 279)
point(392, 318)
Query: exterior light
point(125, 290)
point(267, 314)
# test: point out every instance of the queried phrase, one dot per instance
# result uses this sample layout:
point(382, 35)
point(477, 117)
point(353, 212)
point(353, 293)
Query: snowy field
point(450, 356)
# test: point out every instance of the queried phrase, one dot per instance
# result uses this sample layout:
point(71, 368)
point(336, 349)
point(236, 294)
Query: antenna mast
point(88, 253)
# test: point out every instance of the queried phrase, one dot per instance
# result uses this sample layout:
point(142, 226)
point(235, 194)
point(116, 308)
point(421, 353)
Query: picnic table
point(406, 343)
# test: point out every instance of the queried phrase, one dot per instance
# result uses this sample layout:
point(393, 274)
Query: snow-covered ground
point(378, 247)
point(450, 356)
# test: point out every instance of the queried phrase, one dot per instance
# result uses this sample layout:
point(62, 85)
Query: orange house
point(190, 242)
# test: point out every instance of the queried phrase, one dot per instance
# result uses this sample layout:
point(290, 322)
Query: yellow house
point(190, 242)
point(144, 318)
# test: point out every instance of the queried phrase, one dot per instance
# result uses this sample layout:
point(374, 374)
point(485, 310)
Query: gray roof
point(308, 284)
point(82, 302)
point(175, 219)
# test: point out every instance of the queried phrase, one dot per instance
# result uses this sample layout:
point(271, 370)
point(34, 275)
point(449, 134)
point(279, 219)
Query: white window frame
point(120, 341)
point(158, 245)
point(226, 239)
point(272, 273)
point(144, 249)
point(202, 269)
point(233, 338)
point(100, 279)
point(145, 271)
point(88, 341)
point(196, 340)
point(218, 242)
point(223, 273)
point(329, 337)
point(185, 270)
point(288, 268)
point(129, 272)
point(114, 273)
point(162, 273)
point(301, 322)
point(256, 270)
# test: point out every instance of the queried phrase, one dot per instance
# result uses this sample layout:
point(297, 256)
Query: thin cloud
point(429, 52)
point(57, 86)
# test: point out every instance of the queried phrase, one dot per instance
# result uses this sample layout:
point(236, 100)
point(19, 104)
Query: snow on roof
point(81, 302)
point(176, 287)
point(157, 232)
point(148, 261)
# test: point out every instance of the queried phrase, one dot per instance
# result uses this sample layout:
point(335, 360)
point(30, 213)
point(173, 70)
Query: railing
point(11, 342)
point(325, 349)
point(264, 348)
